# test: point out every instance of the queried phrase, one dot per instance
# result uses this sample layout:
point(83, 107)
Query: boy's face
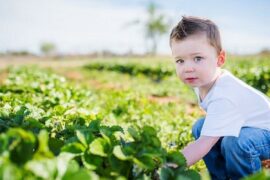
point(196, 60)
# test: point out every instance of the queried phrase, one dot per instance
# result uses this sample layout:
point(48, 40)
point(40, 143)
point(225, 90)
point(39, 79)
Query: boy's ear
point(221, 58)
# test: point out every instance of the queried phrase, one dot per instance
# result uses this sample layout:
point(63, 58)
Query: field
point(102, 118)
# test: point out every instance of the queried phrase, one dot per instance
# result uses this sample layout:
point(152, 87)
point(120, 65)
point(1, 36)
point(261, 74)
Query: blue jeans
point(236, 157)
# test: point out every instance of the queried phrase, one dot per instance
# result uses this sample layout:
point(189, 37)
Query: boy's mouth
point(190, 80)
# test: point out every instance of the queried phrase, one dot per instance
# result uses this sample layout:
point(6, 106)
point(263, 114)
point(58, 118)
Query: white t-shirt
point(232, 104)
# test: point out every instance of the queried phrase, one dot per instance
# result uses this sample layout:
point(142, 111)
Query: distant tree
point(265, 51)
point(47, 48)
point(155, 26)
point(19, 53)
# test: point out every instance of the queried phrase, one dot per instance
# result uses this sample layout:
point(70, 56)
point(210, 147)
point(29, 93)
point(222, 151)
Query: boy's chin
point(192, 85)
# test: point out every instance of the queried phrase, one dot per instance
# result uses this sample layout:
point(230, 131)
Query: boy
point(234, 136)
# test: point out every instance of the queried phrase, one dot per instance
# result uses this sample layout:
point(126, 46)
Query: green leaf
point(165, 173)
point(264, 174)
point(62, 163)
point(182, 177)
point(107, 134)
point(145, 162)
point(119, 167)
point(32, 124)
point(10, 172)
point(43, 148)
point(131, 148)
point(189, 175)
point(44, 168)
point(94, 125)
point(81, 138)
point(3, 125)
point(99, 147)
point(75, 148)
point(149, 130)
point(117, 151)
point(72, 167)
point(105, 131)
point(55, 145)
point(116, 128)
point(121, 178)
point(176, 157)
point(81, 174)
point(4, 143)
point(20, 114)
point(134, 133)
point(22, 145)
point(91, 162)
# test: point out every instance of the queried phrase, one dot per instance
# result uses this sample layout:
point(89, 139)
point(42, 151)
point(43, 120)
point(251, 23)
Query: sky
point(85, 26)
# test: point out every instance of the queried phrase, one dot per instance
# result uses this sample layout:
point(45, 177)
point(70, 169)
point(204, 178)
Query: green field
point(106, 118)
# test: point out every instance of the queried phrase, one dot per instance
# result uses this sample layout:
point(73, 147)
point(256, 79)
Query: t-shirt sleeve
point(222, 119)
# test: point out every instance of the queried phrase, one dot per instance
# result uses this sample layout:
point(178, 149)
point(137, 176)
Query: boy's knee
point(244, 144)
point(231, 145)
point(228, 143)
point(197, 127)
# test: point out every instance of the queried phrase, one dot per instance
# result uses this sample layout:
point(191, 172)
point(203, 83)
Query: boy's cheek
point(178, 73)
point(179, 76)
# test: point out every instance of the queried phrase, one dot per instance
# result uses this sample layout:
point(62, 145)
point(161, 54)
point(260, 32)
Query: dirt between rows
point(43, 62)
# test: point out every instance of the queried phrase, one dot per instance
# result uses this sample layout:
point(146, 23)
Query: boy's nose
point(188, 68)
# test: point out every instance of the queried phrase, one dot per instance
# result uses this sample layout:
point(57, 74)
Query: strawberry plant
point(51, 129)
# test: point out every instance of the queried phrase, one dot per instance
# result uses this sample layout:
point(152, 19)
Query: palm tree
point(47, 48)
point(155, 26)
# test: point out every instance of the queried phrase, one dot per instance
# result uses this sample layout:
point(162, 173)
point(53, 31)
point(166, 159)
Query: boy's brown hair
point(190, 25)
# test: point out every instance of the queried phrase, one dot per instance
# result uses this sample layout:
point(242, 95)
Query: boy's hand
point(196, 150)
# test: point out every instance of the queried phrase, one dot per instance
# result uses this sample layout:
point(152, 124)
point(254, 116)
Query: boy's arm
point(196, 150)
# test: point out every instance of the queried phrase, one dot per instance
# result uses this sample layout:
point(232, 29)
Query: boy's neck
point(204, 91)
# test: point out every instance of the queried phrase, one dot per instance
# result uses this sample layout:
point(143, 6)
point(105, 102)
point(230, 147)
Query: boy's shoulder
point(228, 83)
point(227, 87)
point(235, 89)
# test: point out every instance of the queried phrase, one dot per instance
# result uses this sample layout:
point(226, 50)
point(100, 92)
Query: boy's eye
point(198, 58)
point(179, 61)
